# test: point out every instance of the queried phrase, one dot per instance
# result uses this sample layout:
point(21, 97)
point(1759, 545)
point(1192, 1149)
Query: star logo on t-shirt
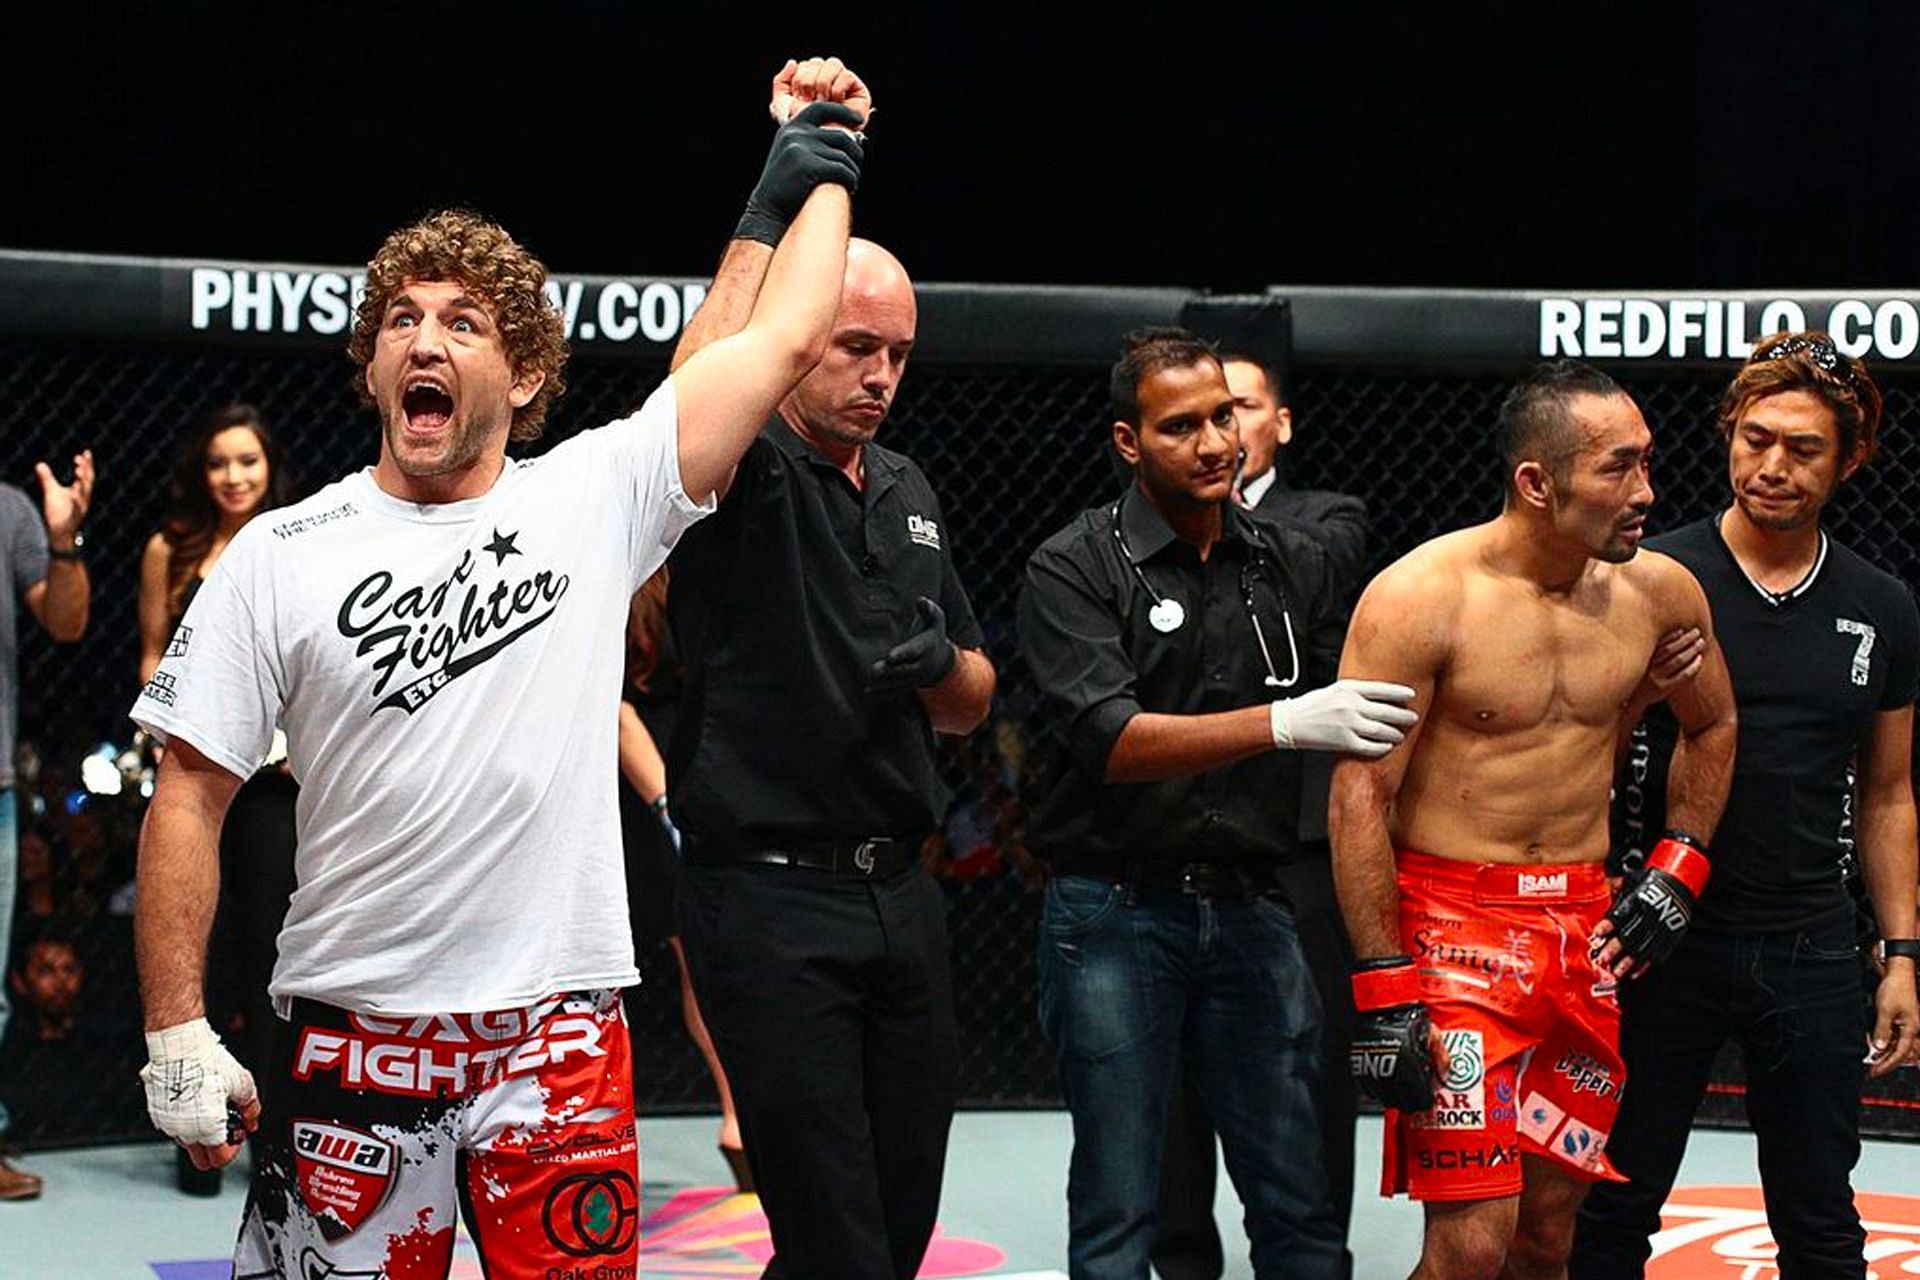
point(502, 547)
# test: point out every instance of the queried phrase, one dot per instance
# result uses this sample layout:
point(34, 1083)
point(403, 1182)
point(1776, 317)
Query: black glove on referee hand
point(1392, 1054)
point(923, 658)
point(807, 151)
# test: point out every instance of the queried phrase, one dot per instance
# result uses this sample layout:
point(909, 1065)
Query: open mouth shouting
point(426, 405)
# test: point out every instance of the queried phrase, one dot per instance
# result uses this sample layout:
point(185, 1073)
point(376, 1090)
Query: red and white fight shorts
point(378, 1130)
point(1529, 1021)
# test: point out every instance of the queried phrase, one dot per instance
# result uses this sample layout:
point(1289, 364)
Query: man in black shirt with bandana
point(1184, 648)
point(1824, 651)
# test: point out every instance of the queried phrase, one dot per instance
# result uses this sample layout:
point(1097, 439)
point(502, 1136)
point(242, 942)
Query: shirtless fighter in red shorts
point(1469, 862)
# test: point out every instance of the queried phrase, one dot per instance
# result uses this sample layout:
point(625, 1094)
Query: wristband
point(1680, 855)
point(1896, 948)
point(78, 551)
point(1385, 982)
point(1282, 726)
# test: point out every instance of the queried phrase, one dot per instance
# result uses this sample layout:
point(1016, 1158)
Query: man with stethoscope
point(1183, 650)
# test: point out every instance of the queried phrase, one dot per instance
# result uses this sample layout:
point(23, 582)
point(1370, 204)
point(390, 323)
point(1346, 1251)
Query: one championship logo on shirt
point(425, 637)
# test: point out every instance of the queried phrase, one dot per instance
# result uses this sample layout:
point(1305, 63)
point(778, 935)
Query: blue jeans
point(1794, 1005)
point(1132, 977)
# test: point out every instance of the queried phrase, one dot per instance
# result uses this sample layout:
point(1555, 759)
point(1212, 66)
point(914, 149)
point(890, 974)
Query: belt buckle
point(863, 856)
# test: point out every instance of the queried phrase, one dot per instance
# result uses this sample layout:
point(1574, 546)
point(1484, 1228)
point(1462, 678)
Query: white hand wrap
point(190, 1080)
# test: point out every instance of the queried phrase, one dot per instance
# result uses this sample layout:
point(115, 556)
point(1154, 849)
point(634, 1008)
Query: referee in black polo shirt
point(1178, 641)
point(827, 639)
point(1824, 651)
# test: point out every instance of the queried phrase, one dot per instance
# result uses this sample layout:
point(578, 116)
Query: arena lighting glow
point(100, 772)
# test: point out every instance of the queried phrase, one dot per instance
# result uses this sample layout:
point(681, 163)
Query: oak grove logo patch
point(591, 1214)
point(344, 1174)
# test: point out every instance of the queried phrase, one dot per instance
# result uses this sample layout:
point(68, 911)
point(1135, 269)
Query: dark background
point(1564, 146)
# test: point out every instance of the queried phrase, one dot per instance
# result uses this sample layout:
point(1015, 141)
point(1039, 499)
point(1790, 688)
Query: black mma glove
point(1655, 906)
point(806, 152)
point(1391, 1056)
point(923, 658)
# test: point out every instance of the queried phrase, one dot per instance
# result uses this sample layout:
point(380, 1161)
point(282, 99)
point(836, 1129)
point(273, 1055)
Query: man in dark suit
point(1189, 1246)
point(1266, 427)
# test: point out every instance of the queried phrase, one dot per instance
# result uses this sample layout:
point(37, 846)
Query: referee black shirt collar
point(882, 466)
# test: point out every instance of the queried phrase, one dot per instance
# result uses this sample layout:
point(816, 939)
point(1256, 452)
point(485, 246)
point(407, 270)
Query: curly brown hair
point(460, 246)
point(1809, 362)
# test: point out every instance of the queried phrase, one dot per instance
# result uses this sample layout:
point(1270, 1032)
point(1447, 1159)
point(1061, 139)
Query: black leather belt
point(1221, 881)
point(873, 856)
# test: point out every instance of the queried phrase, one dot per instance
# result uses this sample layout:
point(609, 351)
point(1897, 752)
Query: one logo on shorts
point(315, 1266)
point(344, 1174)
point(1587, 1073)
point(592, 1214)
point(923, 532)
point(1581, 1146)
point(1539, 1119)
point(1549, 884)
point(1466, 1059)
point(1459, 1100)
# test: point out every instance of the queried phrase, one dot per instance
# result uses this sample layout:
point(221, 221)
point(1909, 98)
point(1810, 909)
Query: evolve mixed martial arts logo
point(1720, 1233)
point(420, 639)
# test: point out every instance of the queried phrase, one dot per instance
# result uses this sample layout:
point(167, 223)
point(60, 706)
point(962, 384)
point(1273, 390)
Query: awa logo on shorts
point(592, 1214)
point(1722, 1232)
point(344, 1174)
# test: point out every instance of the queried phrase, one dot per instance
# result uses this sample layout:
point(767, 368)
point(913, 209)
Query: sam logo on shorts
point(344, 1174)
point(592, 1214)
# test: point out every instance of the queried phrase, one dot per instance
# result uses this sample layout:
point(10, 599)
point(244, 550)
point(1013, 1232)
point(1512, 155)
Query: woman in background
point(227, 471)
point(647, 708)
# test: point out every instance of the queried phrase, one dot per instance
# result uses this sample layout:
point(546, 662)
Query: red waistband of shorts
point(1505, 883)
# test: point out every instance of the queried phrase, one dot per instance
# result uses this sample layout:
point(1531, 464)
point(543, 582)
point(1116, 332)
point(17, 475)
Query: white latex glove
point(191, 1079)
point(1358, 717)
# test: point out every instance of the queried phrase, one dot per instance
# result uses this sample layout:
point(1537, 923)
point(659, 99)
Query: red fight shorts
point(1529, 1021)
point(378, 1130)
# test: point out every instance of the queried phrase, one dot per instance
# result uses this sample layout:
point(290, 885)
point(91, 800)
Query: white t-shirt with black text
point(448, 677)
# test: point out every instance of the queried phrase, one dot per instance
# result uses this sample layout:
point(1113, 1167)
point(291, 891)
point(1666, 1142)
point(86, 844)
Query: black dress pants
point(830, 1000)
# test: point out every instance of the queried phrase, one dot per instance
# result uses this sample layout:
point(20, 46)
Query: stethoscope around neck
point(1168, 615)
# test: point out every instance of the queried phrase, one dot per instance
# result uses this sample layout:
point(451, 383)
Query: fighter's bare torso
point(1524, 694)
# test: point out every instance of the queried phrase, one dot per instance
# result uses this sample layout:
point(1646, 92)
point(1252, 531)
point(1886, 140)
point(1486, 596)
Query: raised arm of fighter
point(767, 318)
point(813, 146)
